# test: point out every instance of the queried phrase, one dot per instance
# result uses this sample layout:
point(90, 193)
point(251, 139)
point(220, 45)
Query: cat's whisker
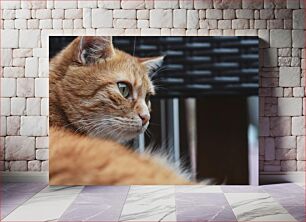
point(147, 132)
point(102, 128)
point(108, 126)
point(115, 133)
point(159, 70)
point(93, 127)
point(161, 88)
point(82, 120)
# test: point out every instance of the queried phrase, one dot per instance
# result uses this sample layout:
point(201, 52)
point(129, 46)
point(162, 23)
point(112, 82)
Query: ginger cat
point(99, 99)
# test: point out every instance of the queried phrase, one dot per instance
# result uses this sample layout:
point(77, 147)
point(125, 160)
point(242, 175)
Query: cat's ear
point(152, 63)
point(93, 48)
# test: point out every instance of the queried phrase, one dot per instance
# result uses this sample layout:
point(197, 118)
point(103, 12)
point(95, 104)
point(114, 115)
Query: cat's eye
point(124, 89)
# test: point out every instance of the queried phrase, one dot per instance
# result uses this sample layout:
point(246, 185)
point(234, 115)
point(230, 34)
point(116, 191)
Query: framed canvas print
point(153, 110)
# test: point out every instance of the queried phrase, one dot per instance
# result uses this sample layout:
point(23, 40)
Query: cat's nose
point(145, 118)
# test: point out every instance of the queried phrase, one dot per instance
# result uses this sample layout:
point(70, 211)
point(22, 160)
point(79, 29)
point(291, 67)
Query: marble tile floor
point(39, 202)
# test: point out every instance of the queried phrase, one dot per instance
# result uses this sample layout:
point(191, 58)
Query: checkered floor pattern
point(40, 202)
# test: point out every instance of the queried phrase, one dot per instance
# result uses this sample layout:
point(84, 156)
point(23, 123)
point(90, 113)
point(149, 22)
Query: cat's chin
point(129, 136)
point(121, 137)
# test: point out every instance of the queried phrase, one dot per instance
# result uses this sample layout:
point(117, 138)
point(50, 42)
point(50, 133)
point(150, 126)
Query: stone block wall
point(26, 25)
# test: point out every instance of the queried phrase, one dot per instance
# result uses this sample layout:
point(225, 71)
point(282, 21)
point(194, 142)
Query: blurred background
point(205, 113)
